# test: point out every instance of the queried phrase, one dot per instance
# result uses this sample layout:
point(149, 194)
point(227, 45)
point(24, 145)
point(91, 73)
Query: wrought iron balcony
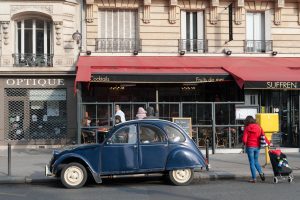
point(33, 60)
point(111, 45)
point(258, 46)
point(192, 45)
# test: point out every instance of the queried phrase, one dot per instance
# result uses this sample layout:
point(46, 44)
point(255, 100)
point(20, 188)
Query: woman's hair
point(117, 119)
point(249, 120)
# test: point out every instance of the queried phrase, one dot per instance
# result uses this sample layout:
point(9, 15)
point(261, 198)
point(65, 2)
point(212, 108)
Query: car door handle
point(134, 146)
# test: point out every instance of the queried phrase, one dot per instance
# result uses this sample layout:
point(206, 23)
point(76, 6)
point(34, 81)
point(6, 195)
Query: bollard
point(207, 154)
point(9, 159)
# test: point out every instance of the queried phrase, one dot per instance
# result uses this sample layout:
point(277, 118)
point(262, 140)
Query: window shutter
point(268, 25)
point(258, 26)
point(200, 25)
point(183, 25)
point(250, 26)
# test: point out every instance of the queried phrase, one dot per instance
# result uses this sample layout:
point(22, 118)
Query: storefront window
point(34, 114)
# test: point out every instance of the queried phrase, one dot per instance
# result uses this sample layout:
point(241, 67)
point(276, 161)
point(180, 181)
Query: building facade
point(129, 45)
point(37, 71)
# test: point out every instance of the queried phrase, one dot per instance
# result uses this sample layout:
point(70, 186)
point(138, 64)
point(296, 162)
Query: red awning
point(249, 72)
point(266, 73)
point(88, 66)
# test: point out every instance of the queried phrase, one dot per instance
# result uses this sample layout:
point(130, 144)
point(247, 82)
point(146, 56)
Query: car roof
point(145, 120)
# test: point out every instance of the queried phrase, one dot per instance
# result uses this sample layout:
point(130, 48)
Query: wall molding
point(58, 27)
point(5, 25)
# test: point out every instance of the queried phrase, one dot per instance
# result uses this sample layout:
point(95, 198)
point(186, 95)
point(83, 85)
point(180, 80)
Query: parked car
point(132, 147)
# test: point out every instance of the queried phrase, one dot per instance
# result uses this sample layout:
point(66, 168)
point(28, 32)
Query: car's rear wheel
point(73, 175)
point(181, 176)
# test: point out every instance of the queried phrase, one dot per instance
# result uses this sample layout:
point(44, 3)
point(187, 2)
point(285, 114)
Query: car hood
point(72, 148)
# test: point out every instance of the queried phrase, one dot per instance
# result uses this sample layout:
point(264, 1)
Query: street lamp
point(77, 36)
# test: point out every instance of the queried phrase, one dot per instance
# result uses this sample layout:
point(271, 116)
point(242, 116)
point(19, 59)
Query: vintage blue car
point(133, 147)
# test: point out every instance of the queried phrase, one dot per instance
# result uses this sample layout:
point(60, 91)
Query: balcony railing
point(111, 45)
point(192, 45)
point(258, 46)
point(33, 60)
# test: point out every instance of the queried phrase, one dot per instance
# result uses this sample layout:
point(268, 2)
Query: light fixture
point(274, 53)
point(77, 36)
point(88, 52)
point(228, 52)
point(135, 52)
point(182, 53)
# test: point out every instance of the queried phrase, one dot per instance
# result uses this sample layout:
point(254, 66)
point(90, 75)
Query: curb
point(198, 177)
point(25, 180)
point(12, 179)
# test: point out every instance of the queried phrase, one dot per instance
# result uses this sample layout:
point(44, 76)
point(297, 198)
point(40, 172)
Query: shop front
point(173, 86)
point(210, 91)
point(274, 87)
point(37, 110)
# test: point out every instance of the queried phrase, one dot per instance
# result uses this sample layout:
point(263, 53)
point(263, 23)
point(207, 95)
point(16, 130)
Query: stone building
point(37, 65)
point(213, 61)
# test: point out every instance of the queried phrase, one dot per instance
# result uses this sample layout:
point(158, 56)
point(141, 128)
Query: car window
point(151, 134)
point(125, 135)
point(174, 135)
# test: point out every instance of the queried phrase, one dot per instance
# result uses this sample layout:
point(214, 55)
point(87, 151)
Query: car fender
point(63, 158)
point(182, 158)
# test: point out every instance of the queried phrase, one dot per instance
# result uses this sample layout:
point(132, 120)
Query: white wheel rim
point(73, 175)
point(182, 175)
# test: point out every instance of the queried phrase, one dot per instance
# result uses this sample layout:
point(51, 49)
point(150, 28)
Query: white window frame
point(34, 45)
point(109, 31)
point(200, 28)
point(258, 28)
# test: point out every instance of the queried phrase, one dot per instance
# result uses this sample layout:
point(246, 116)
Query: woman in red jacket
point(251, 139)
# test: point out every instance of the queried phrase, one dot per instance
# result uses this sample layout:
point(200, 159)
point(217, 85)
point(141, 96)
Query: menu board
point(185, 123)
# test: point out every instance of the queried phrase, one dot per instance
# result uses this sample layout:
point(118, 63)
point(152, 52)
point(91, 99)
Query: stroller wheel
point(290, 179)
point(275, 180)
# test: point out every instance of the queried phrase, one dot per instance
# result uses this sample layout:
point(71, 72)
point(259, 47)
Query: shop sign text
point(35, 82)
point(282, 85)
point(204, 80)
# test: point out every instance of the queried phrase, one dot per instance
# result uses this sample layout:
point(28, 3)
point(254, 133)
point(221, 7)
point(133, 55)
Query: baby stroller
point(281, 168)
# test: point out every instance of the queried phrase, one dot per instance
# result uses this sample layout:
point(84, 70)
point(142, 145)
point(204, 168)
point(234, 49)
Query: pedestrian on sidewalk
point(251, 139)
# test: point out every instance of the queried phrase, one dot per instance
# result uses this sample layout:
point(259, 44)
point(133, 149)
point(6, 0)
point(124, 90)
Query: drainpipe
point(78, 90)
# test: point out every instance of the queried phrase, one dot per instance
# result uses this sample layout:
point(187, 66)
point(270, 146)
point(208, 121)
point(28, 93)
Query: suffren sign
point(284, 85)
point(35, 82)
point(159, 78)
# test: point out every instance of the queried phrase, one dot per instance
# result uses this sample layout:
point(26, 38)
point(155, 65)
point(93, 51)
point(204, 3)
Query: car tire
point(73, 175)
point(181, 176)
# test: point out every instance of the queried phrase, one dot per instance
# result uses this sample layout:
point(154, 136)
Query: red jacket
point(251, 137)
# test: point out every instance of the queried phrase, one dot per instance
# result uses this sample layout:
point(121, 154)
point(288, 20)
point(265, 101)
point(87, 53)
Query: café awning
point(266, 73)
point(248, 72)
point(147, 69)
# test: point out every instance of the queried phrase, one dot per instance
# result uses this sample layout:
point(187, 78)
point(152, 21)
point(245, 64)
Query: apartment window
point(117, 31)
point(33, 42)
point(192, 32)
point(258, 32)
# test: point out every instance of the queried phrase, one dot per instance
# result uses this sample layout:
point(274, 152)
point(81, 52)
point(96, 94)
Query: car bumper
point(47, 171)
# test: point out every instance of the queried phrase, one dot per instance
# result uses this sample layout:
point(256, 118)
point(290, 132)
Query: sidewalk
point(28, 166)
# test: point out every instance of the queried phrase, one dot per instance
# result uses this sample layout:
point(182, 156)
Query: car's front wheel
point(73, 175)
point(181, 176)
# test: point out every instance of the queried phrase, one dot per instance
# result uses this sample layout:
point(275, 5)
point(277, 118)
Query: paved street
point(153, 188)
